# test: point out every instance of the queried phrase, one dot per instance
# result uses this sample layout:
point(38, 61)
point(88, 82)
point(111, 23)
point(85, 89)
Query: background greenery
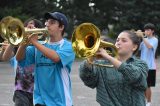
point(116, 15)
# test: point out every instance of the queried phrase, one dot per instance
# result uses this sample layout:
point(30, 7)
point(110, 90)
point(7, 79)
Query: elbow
point(18, 58)
point(88, 80)
point(5, 59)
point(149, 47)
point(7, 56)
point(81, 74)
point(56, 60)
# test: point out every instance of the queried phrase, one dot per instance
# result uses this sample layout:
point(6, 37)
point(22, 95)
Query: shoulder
point(67, 41)
point(67, 44)
point(154, 39)
point(140, 62)
point(30, 47)
point(136, 60)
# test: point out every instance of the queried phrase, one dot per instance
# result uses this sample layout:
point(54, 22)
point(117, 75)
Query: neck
point(150, 36)
point(56, 38)
point(124, 57)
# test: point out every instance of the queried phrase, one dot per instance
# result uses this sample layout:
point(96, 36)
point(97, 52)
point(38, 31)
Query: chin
point(121, 53)
point(50, 33)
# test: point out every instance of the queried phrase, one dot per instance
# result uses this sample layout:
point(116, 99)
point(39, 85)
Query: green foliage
point(122, 14)
point(112, 34)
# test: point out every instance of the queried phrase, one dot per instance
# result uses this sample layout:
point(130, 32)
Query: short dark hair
point(149, 26)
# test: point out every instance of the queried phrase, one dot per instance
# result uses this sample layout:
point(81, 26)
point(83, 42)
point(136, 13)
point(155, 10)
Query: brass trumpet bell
point(12, 30)
point(86, 41)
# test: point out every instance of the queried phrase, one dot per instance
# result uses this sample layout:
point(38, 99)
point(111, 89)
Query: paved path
point(82, 95)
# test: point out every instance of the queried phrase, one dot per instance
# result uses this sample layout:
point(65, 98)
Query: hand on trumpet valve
point(90, 59)
point(33, 38)
point(101, 53)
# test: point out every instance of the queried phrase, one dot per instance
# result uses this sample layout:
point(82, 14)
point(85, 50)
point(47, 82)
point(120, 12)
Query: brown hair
point(134, 38)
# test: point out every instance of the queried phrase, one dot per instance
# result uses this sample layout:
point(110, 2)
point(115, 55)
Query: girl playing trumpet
point(123, 84)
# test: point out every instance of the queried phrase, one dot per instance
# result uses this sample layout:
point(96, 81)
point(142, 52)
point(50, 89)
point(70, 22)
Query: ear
point(135, 47)
point(61, 27)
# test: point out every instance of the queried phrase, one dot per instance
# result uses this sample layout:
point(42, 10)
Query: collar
point(61, 42)
point(132, 58)
point(58, 42)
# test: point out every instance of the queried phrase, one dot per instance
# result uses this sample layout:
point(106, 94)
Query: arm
point(8, 53)
point(21, 52)
point(135, 73)
point(88, 74)
point(148, 45)
point(49, 53)
point(1, 54)
point(106, 56)
point(142, 35)
point(3, 49)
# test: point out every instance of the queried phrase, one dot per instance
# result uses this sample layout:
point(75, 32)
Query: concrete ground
point(82, 95)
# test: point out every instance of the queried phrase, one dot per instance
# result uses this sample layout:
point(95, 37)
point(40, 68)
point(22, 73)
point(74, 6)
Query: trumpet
point(86, 41)
point(139, 33)
point(12, 30)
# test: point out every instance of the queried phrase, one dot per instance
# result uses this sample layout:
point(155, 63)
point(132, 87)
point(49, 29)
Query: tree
point(122, 14)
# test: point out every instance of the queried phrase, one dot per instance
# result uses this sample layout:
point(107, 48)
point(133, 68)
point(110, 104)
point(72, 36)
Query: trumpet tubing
point(41, 32)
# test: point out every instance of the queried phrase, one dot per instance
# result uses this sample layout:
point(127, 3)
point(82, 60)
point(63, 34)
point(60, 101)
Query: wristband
point(144, 36)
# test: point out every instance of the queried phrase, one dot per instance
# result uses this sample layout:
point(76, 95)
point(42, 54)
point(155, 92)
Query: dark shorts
point(22, 98)
point(151, 79)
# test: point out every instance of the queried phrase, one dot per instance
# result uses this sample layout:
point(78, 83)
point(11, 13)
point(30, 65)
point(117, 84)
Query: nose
point(117, 44)
point(46, 24)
